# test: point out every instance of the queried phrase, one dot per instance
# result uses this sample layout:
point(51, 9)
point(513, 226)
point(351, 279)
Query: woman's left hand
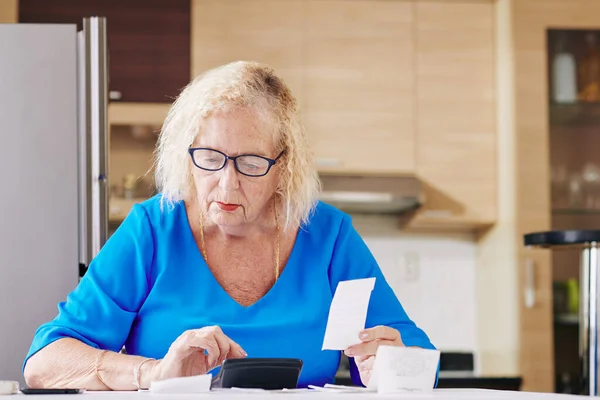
point(364, 353)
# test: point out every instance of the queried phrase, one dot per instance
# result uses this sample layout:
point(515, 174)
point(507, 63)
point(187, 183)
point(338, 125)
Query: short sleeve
point(103, 306)
point(352, 259)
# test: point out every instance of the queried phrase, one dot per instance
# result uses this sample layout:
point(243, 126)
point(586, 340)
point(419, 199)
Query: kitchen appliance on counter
point(53, 162)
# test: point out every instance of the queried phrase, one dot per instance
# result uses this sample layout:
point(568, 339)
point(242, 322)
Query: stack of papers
point(398, 369)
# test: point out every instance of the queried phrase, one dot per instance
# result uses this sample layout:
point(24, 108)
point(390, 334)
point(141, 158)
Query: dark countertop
point(456, 371)
point(472, 382)
point(481, 382)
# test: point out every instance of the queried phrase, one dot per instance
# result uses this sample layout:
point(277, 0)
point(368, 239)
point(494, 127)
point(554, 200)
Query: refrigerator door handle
point(84, 187)
point(93, 138)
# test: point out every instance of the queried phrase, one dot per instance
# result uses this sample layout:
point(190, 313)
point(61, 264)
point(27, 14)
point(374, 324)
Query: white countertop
point(441, 394)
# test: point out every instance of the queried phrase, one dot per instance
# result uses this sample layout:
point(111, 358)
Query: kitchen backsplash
point(434, 278)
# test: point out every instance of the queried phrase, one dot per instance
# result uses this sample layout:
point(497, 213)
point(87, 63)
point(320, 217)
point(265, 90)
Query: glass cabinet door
point(574, 129)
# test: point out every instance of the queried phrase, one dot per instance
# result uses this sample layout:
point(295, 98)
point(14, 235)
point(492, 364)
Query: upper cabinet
point(384, 87)
point(266, 31)
point(349, 64)
point(9, 11)
point(148, 40)
point(455, 103)
point(359, 85)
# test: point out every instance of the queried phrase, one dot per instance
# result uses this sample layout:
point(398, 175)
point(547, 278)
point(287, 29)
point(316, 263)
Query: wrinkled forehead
point(238, 129)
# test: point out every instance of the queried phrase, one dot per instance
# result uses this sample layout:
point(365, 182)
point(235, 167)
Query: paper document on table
point(236, 390)
point(348, 313)
point(339, 388)
point(398, 369)
point(183, 385)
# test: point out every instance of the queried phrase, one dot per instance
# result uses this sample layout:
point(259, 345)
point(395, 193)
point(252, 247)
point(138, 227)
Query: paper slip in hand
point(187, 384)
point(398, 369)
point(348, 313)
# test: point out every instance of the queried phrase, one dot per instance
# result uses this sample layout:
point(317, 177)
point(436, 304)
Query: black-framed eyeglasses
point(246, 164)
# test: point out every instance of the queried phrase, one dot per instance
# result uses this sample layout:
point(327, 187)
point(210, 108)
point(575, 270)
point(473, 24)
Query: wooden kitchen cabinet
point(350, 64)
point(9, 11)
point(384, 87)
point(530, 21)
point(456, 108)
point(266, 31)
point(148, 42)
point(359, 85)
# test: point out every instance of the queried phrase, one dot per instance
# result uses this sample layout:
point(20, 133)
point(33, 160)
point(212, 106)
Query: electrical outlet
point(411, 267)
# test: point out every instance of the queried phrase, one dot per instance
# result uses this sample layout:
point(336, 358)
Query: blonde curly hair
point(246, 84)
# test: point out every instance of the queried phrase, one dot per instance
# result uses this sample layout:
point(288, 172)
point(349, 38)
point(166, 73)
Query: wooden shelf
point(118, 208)
point(152, 114)
point(445, 222)
point(566, 319)
point(574, 114)
point(575, 211)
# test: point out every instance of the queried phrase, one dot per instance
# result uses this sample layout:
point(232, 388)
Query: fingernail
point(244, 353)
point(363, 335)
point(349, 352)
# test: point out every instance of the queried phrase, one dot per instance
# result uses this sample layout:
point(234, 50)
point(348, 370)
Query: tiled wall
point(434, 278)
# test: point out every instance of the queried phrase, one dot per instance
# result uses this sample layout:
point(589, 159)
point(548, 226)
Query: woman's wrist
point(147, 372)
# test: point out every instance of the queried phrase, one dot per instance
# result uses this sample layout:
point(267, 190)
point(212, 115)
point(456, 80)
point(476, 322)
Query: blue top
point(149, 284)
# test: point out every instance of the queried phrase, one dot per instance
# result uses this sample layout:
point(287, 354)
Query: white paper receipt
point(398, 369)
point(348, 313)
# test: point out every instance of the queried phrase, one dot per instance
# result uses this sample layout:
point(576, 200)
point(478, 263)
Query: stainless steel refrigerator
point(53, 172)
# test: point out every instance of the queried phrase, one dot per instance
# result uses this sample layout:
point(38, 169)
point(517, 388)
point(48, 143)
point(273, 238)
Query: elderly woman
point(234, 258)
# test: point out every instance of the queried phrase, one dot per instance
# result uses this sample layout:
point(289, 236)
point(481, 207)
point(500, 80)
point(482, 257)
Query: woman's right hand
point(186, 356)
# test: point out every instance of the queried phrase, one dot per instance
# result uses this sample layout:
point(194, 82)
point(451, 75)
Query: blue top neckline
point(201, 262)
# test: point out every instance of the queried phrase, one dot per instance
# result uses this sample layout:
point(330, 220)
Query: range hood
point(388, 194)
